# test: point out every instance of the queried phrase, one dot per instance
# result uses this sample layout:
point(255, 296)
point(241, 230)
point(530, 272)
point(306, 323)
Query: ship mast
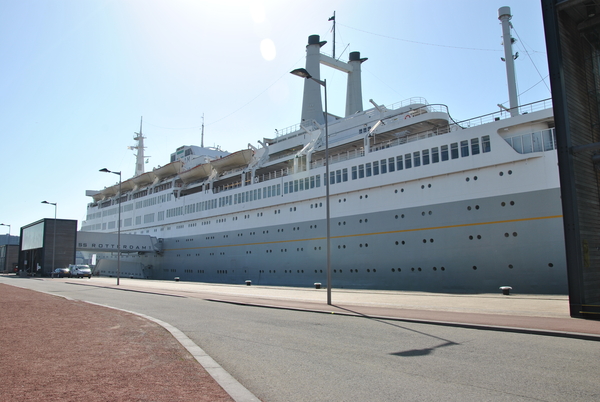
point(333, 29)
point(139, 157)
point(504, 16)
point(202, 134)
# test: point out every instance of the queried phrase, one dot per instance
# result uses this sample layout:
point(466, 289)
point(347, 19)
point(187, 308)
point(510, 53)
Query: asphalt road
point(282, 355)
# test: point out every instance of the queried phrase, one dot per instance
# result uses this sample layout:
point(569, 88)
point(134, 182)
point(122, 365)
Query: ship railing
point(340, 157)
point(412, 137)
point(276, 174)
point(407, 102)
point(503, 114)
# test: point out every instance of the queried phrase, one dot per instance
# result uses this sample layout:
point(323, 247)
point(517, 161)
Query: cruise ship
point(417, 201)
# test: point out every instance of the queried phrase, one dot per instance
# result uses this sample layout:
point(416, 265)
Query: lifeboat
point(171, 169)
point(232, 161)
point(127, 185)
point(196, 173)
point(144, 179)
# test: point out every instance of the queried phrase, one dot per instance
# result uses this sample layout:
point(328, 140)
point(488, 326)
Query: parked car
point(61, 273)
point(80, 271)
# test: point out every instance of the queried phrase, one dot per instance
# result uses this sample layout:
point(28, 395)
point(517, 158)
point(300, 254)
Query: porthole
point(399, 270)
point(468, 179)
point(476, 206)
point(374, 270)
point(429, 186)
point(396, 243)
point(469, 208)
point(368, 270)
point(422, 187)
point(443, 269)
point(403, 242)
point(430, 240)
point(503, 203)
point(479, 237)
point(419, 269)
point(501, 173)
point(412, 269)
point(510, 266)
point(401, 190)
point(402, 216)
point(367, 196)
point(474, 177)
point(395, 191)
point(510, 172)
point(430, 212)
point(474, 268)
point(550, 265)
point(515, 234)
point(506, 235)
point(470, 237)
point(434, 268)
point(396, 216)
point(512, 203)
point(423, 213)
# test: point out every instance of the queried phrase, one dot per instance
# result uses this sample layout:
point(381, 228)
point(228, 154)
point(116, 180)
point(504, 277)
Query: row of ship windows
point(320, 271)
point(150, 218)
point(400, 162)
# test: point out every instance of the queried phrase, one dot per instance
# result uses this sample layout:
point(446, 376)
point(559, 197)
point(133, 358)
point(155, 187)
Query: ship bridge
point(129, 243)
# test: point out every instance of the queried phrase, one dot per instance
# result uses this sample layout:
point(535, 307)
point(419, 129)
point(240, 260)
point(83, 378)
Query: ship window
point(375, 168)
point(368, 169)
point(407, 161)
point(285, 187)
point(306, 181)
point(537, 141)
point(464, 148)
point(486, 146)
point(548, 141)
point(391, 165)
point(361, 171)
point(265, 191)
point(331, 178)
point(354, 173)
point(295, 186)
point(312, 181)
point(300, 185)
point(318, 181)
point(474, 146)
point(417, 159)
point(383, 165)
point(425, 154)
point(338, 176)
point(278, 189)
point(444, 152)
point(345, 174)
point(399, 164)
point(454, 150)
point(259, 192)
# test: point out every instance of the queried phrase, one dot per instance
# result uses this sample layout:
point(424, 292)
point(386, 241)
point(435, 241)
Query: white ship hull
point(417, 202)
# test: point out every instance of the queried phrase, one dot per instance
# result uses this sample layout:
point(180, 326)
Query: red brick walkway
point(54, 349)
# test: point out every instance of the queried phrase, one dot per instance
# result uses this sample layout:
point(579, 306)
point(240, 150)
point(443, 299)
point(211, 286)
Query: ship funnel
point(505, 17)
point(354, 88)
point(312, 107)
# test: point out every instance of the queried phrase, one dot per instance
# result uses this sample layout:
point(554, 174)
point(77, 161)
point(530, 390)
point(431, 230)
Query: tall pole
point(327, 199)
point(54, 236)
point(105, 170)
point(302, 72)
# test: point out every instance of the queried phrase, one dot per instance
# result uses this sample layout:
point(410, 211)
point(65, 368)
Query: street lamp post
point(54, 236)
point(105, 170)
point(7, 246)
point(301, 72)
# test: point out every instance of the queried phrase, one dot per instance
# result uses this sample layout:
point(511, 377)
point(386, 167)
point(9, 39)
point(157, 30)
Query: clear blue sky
point(77, 75)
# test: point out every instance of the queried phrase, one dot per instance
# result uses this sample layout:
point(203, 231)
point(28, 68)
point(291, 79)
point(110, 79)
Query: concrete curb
point(487, 327)
point(237, 391)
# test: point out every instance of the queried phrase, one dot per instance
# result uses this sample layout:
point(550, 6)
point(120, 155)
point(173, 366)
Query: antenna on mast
point(202, 136)
point(333, 29)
